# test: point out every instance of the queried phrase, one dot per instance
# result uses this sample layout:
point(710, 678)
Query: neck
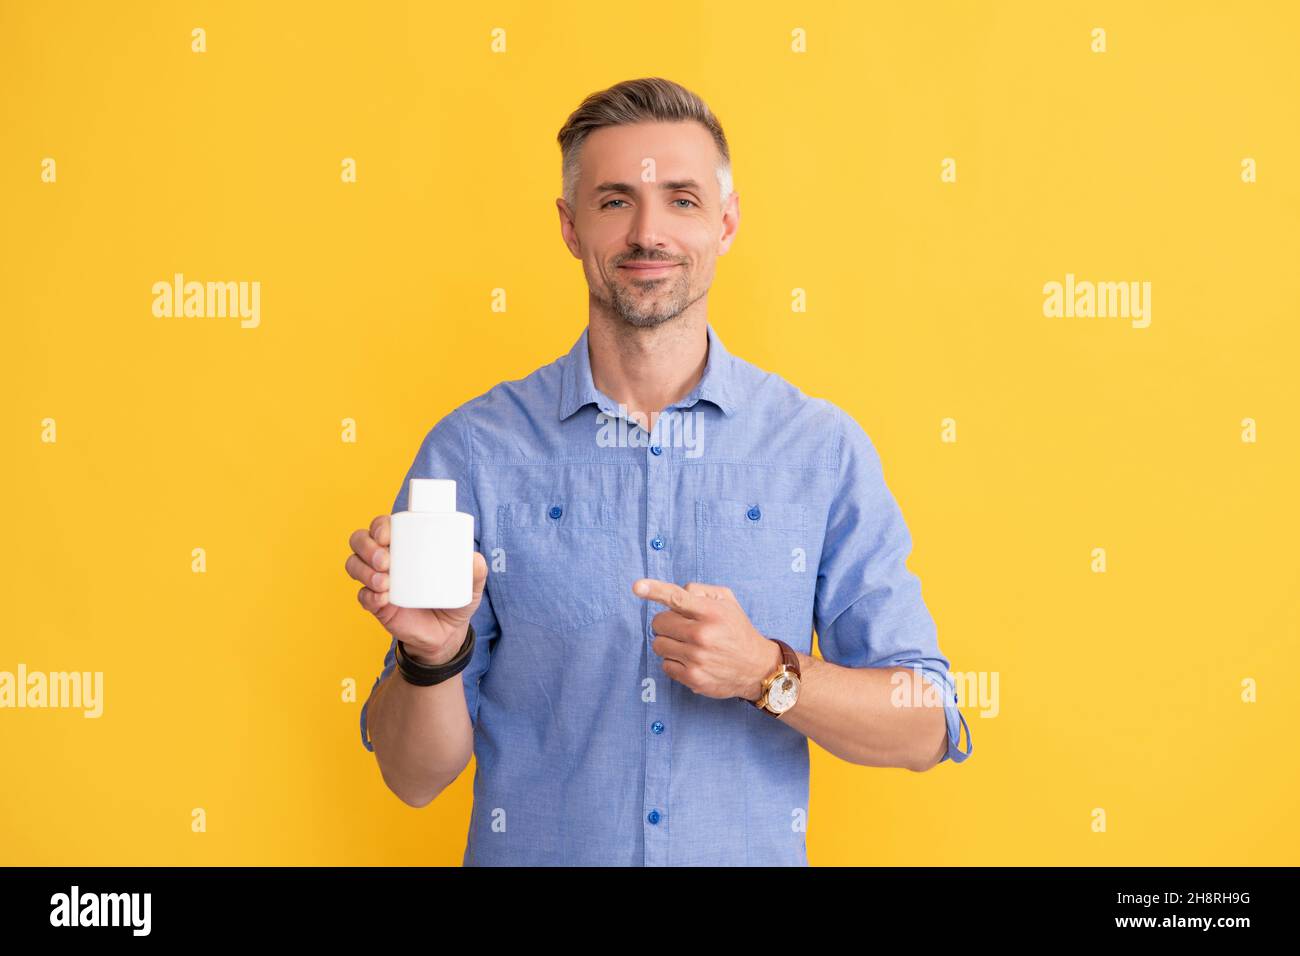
point(647, 369)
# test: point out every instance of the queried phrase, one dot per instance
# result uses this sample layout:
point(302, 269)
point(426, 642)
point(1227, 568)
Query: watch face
point(783, 693)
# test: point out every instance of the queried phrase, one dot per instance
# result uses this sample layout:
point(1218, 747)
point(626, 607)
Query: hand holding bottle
point(430, 635)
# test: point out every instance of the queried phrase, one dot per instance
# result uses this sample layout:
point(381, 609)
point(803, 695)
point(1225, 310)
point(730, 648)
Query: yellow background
point(222, 690)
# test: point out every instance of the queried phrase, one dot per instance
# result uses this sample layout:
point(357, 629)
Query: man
point(667, 523)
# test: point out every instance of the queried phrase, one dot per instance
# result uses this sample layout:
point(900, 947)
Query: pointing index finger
point(667, 594)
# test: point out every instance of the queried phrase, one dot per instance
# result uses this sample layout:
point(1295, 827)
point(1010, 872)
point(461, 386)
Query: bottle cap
point(432, 494)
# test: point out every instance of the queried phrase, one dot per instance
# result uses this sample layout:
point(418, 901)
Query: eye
point(608, 201)
point(682, 199)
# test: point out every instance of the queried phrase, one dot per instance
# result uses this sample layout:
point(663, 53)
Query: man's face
point(648, 222)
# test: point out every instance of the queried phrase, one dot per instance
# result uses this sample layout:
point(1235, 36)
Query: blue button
point(657, 543)
point(657, 727)
point(653, 816)
point(556, 511)
point(753, 513)
point(656, 450)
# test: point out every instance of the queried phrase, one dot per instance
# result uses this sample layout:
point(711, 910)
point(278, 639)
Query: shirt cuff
point(365, 734)
point(952, 716)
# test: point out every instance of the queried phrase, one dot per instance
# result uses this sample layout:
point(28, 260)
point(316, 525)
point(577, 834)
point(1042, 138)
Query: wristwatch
point(781, 687)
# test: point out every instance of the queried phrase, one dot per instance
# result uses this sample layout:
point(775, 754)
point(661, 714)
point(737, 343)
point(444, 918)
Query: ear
point(568, 229)
point(730, 223)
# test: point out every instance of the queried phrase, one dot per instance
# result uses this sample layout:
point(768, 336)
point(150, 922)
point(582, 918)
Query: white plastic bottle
point(432, 548)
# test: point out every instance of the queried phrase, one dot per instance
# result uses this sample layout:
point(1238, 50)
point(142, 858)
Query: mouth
point(648, 270)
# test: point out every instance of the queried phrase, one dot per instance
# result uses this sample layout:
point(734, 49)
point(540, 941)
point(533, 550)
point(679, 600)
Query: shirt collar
point(717, 384)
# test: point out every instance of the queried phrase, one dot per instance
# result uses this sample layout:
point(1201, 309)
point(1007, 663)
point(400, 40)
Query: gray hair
point(637, 101)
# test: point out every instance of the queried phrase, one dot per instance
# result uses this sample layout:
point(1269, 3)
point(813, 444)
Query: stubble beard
point(646, 303)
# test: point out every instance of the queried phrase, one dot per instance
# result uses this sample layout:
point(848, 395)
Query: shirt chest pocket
point(557, 567)
point(759, 549)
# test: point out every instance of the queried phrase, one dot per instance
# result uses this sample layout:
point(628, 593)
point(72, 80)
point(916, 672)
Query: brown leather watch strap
point(789, 657)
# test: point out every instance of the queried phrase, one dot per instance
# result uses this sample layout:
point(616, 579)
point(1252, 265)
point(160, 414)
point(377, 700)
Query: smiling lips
point(648, 270)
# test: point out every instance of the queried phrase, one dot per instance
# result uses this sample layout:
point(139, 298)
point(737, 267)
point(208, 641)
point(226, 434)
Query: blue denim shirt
point(586, 752)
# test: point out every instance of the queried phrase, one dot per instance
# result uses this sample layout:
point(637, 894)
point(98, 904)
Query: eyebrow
point(672, 185)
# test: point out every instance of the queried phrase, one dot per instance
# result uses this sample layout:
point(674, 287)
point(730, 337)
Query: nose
point(646, 228)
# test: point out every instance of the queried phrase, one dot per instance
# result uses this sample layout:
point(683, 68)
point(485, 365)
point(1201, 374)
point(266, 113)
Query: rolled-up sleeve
point(868, 610)
point(446, 453)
